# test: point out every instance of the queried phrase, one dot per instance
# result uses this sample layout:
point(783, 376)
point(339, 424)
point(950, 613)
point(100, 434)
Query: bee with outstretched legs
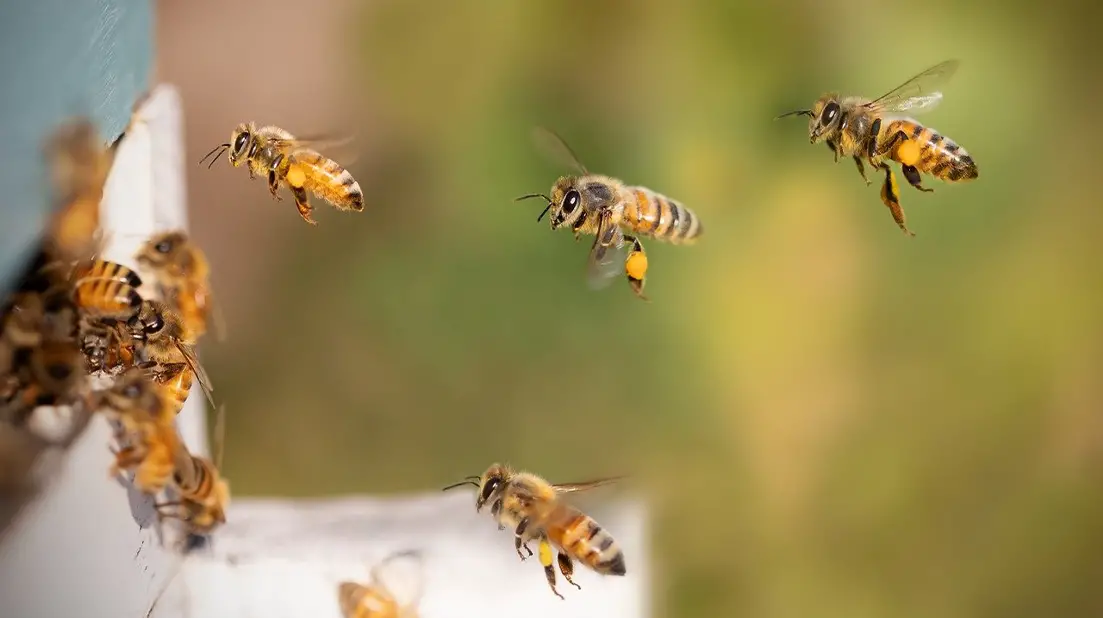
point(875, 131)
point(183, 277)
point(617, 215)
point(274, 153)
point(535, 510)
point(377, 599)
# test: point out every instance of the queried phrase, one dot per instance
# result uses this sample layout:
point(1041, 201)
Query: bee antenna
point(219, 149)
point(544, 213)
point(460, 484)
point(799, 112)
point(532, 195)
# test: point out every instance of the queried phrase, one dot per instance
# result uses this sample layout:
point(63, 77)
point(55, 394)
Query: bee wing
point(585, 486)
point(606, 259)
point(402, 574)
point(555, 148)
point(920, 93)
point(200, 374)
point(330, 146)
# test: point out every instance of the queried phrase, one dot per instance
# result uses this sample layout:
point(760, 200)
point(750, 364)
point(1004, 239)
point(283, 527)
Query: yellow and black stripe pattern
point(656, 216)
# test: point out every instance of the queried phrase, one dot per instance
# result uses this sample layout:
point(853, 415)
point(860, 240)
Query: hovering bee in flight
point(286, 160)
point(618, 215)
point(535, 510)
point(875, 131)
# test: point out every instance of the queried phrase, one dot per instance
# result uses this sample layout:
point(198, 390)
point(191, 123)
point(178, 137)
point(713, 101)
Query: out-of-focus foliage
point(831, 419)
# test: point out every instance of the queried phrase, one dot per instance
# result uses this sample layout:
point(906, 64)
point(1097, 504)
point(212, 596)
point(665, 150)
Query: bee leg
point(125, 458)
point(302, 203)
point(834, 149)
point(546, 561)
point(566, 567)
point(862, 170)
point(635, 267)
point(519, 538)
point(890, 195)
point(274, 184)
point(912, 174)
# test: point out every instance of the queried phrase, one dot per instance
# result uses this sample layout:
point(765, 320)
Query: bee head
point(489, 484)
point(823, 118)
point(159, 249)
point(129, 389)
point(240, 141)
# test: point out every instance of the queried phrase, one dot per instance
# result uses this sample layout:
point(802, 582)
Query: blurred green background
point(829, 418)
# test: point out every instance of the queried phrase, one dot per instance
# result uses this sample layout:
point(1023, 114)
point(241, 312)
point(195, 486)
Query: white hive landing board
point(88, 545)
point(284, 559)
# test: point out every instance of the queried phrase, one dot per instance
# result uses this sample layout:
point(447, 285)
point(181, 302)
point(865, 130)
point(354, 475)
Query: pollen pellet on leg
point(908, 152)
point(636, 265)
point(296, 176)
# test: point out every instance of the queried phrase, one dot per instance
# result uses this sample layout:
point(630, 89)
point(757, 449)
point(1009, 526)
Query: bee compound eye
point(571, 201)
point(132, 391)
point(829, 112)
point(240, 141)
point(156, 325)
point(163, 247)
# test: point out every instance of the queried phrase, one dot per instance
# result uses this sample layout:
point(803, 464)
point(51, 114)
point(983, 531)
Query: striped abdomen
point(325, 178)
point(359, 601)
point(103, 269)
point(936, 154)
point(199, 484)
point(584, 540)
point(176, 389)
point(655, 215)
point(107, 298)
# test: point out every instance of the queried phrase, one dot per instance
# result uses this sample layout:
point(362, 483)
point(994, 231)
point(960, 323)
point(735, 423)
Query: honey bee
point(203, 492)
point(183, 277)
point(273, 152)
point(873, 130)
point(146, 427)
point(376, 599)
point(107, 298)
point(79, 164)
point(167, 350)
point(617, 215)
point(533, 508)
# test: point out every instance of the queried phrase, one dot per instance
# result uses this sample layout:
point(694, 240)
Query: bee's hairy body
point(274, 153)
point(533, 508)
point(360, 601)
point(637, 210)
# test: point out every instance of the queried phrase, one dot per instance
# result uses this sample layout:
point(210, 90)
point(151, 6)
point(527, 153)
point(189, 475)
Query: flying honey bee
point(615, 213)
point(286, 160)
point(874, 130)
point(183, 277)
point(79, 164)
point(146, 427)
point(534, 509)
point(377, 599)
point(166, 348)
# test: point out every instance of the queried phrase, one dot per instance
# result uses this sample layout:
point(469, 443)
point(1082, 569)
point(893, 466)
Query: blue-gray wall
point(60, 58)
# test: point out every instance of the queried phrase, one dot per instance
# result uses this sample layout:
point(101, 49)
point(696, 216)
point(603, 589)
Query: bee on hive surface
point(534, 509)
point(183, 277)
point(616, 214)
point(165, 349)
point(145, 425)
point(377, 599)
point(203, 492)
point(286, 160)
point(875, 130)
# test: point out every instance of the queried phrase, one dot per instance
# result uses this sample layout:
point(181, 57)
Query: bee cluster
point(77, 335)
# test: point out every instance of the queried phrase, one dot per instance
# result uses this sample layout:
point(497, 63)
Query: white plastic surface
point(284, 559)
point(89, 545)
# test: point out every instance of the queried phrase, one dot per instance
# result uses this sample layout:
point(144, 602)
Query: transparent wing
point(585, 486)
point(336, 147)
point(200, 374)
point(607, 255)
point(920, 93)
point(402, 574)
point(556, 149)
